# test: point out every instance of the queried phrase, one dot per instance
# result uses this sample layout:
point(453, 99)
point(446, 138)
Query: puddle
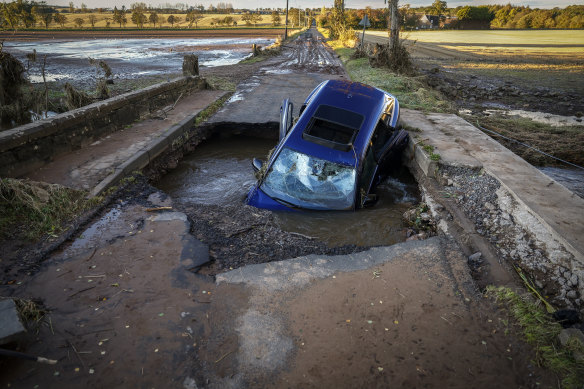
point(539, 117)
point(128, 58)
point(219, 172)
point(243, 89)
point(572, 179)
point(112, 225)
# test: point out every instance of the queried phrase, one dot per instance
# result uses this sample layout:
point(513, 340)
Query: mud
point(219, 173)
point(125, 309)
point(129, 59)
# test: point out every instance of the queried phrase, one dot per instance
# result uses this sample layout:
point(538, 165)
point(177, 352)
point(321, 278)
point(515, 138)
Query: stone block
point(10, 325)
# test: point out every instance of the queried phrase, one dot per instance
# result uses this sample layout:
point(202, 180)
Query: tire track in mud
point(309, 53)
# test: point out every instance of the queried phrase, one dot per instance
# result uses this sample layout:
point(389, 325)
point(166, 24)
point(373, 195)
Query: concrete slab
point(390, 316)
point(259, 102)
point(86, 168)
point(460, 143)
point(10, 325)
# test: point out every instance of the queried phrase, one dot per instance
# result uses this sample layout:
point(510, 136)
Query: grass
point(221, 83)
point(211, 109)
point(411, 92)
point(566, 142)
point(541, 331)
point(30, 210)
point(526, 40)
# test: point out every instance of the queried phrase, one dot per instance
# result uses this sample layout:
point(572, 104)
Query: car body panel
point(380, 114)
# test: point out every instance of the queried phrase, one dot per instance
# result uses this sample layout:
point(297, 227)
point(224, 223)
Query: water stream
point(220, 172)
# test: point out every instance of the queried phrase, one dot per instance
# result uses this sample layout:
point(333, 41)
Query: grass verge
point(211, 109)
point(29, 210)
point(565, 142)
point(541, 331)
point(411, 92)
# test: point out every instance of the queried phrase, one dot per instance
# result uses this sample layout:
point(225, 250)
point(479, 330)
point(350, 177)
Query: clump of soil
point(240, 235)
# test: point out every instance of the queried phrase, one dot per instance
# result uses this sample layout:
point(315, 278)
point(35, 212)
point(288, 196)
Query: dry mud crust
point(239, 235)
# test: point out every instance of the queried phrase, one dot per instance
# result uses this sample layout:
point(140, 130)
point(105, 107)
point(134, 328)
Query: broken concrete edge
point(153, 150)
point(538, 232)
point(558, 250)
point(299, 272)
point(11, 327)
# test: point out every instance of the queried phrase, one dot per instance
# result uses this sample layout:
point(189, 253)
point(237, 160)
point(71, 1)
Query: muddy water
point(220, 172)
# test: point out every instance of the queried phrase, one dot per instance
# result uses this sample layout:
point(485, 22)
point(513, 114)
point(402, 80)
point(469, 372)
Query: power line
point(528, 146)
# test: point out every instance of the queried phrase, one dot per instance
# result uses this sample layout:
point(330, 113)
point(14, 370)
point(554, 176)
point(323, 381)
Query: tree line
point(30, 14)
point(494, 16)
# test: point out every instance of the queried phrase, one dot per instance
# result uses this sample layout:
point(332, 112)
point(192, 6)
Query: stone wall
point(28, 147)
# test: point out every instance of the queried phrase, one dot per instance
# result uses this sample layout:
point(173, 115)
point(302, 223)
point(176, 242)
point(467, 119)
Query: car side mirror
point(257, 164)
point(369, 200)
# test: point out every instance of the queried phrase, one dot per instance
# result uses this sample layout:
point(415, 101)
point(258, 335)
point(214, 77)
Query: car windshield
point(310, 182)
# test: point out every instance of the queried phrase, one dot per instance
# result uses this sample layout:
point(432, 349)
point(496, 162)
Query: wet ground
point(68, 60)
point(126, 308)
point(219, 173)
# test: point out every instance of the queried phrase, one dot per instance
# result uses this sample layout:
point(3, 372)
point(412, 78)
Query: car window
point(310, 182)
point(333, 127)
point(380, 137)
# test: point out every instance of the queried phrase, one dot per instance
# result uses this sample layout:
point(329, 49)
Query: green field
point(525, 41)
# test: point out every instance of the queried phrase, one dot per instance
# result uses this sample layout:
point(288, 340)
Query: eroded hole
point(211, 183)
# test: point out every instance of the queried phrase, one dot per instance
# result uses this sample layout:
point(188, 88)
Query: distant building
point(429, 21)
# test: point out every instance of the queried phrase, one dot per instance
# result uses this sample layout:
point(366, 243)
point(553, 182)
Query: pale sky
point(253, 4)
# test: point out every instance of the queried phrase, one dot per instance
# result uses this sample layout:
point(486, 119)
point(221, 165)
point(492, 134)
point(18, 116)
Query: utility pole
point(286, 30)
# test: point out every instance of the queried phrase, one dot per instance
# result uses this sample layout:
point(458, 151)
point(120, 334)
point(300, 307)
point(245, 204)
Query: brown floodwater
point(219, 172)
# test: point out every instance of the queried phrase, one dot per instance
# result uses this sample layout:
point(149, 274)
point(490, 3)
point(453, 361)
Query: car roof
point(362, 99)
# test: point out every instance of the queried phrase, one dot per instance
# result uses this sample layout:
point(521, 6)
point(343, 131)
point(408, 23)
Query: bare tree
point(92, 19)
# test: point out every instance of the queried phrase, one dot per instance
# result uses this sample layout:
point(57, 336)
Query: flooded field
point(219, 173)
point(67, 60)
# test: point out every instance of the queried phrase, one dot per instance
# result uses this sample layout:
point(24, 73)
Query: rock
point(410, 215)
point(425, 216)
point(10, 325)
point(475, 259)
point(571, 294)
point(574, 280)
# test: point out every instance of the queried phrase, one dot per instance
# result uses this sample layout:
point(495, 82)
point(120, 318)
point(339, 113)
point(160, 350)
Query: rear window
point(333, 127)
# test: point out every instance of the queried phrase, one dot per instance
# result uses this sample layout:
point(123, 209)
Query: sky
point(252, 4)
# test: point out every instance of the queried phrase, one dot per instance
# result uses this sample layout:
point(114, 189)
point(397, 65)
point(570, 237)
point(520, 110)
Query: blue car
point(346, 137)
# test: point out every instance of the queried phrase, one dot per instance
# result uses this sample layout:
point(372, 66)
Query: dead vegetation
point(13, 105)
point(29, 209)
point(566, 142)
point(76, 99)
point(32, 313)
point(397, 60)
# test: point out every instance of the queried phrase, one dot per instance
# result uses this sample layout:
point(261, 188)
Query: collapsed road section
point(124, 307)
